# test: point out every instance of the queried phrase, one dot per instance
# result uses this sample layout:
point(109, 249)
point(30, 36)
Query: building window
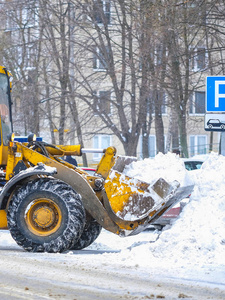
point(100, 142)
point(152, 146)
point(158, 54)
point(196, 13)
point(152, 151)
point(160, 96)
point(99, 59)
point(102, 102)
point(198, 59)
point(198, 144)
point(102, 11)
point(29, 17)
point(163, 106)
point(197, 103)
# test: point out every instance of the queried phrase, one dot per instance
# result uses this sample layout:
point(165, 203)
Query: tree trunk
point(159, 128)
point(131, 145)
point(75, 116)
point(49, 108)
point(183, 136)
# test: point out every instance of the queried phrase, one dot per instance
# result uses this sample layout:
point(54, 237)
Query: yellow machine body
point(122, 203)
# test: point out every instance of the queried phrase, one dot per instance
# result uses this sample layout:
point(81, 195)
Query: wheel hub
point(43, 217)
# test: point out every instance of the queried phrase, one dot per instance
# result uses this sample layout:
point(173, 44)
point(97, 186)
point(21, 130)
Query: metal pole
point(84, 150)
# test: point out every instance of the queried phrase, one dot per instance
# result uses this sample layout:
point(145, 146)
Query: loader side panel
point(91, 202)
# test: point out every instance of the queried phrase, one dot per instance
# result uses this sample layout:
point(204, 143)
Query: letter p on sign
point(215, 94)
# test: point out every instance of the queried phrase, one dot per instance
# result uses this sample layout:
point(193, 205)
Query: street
point(87, 275)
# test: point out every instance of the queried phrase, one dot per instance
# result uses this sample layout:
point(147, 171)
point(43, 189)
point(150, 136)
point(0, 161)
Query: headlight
point(31, 137)
point(11, 137)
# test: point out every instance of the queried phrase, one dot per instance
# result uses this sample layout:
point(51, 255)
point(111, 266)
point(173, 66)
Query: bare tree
point(153, 57)
point(58, 33)
point(110, 57)
point(184, 34)
point(21, 54)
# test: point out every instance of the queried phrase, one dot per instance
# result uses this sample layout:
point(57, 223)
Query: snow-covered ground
point(194, 246)
point(190, 252)
point(198, 235)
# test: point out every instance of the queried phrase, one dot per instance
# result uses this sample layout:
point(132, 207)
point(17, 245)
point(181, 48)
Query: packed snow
point(192, 247)
point(169, 167)
point(197, 237)
point(199, 232)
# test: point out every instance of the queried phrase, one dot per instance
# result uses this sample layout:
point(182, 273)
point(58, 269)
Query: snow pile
point(198, 235)
point(200, 230)
point(169, 167)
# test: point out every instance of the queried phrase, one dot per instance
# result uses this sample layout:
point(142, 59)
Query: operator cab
point(5, 114)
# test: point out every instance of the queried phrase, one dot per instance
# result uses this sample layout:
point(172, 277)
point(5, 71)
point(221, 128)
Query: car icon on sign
point(216, 123)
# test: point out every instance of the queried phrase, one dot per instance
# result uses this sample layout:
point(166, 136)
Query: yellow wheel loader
point(49, 205)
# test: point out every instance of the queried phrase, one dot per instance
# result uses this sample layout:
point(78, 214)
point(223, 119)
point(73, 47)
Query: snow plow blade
point(132, 200)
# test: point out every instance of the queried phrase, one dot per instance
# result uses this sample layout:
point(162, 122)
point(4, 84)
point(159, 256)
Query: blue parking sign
point(215, 94)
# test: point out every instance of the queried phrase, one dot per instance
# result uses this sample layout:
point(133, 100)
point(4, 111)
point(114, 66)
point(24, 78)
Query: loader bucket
point(134, 200)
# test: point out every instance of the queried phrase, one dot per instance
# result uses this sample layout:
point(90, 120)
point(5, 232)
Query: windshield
point(4, 108)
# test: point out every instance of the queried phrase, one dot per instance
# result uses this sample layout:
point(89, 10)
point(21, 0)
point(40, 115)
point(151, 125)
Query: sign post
point(215, 107)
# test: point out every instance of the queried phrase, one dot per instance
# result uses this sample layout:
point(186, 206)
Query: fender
point(40, 169)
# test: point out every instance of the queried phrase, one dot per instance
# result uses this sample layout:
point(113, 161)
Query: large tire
point(91, 231)
point(46, 215)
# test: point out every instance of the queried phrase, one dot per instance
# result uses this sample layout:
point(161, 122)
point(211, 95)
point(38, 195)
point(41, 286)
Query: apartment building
point(115, 71)
point(199, 141)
